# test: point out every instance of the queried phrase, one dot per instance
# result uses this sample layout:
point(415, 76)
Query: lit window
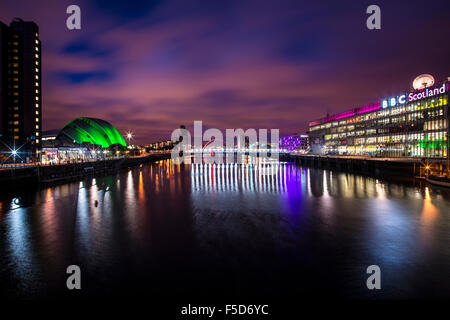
point(37, 77)
point(16, 79)
point(36, 34)
point(37, 105)
point(36, 69)
point(16, 115)
point(37, 63)
point(16, 123)
point(16, 137)
point(37, 56)
point(37, 140)
point(37, 84)
point(15, 58)
point(16, 108)
point(16, 129)
point(37, 41)
point(37, 98)
point(15, 65)
point(37, 112)
point(15, 72)
point(37, 91)
point(15, 94)
point(15, 43)
point(37, 134)
point(15, 50)
point(37, 127)
point(37, 119)
point(15, 86)
point(36, 48)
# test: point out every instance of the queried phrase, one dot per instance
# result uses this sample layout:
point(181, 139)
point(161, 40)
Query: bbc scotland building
point(413, 124)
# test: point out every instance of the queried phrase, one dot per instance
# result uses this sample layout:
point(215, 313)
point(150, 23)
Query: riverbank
point(48, 175)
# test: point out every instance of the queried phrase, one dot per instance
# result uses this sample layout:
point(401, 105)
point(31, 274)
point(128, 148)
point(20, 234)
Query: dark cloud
point(79, 77)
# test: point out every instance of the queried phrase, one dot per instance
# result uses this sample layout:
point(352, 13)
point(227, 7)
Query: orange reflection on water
point(48, 194)
point(141, 194)
point(427, 219)
point(156, 182)
point(429, 212)
point(50, 232)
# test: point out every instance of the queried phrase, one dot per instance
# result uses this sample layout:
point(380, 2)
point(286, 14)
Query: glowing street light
point(14, 153)
point(129, 136)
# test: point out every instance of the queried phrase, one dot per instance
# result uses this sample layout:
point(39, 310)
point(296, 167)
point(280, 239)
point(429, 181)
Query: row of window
point(14, 66)
point(422, 105)
point(394, 120)
point(37, 85)
point(427, 126)
point(398, 150)
point(438, 138)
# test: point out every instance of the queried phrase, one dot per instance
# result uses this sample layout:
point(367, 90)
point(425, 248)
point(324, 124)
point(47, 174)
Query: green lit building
point(412, 124)
point(82, 139)
point(93, 131)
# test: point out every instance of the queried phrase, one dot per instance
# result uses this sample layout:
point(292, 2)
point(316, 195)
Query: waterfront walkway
point(402, 159)
point(9, 166)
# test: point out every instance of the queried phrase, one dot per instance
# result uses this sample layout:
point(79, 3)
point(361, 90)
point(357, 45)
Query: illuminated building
point(411, 124)
point(299, 143)
point(93, 131)
point(20, 84)
point(162, 145)
point(82, 139)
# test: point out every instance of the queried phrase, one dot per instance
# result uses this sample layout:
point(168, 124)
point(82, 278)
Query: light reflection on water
point(229, 220)
point(18, 245)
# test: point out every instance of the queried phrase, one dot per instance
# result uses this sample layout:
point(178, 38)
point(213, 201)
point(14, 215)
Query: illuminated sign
point(394, 101)
point(413, 96)
point(428, 93)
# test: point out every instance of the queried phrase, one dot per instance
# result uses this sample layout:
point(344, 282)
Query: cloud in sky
point(150, 66)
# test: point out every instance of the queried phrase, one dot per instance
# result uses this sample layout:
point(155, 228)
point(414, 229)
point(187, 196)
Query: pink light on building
point(351, 113)
point(314, 123)
point(341, 115)
point(369, 108)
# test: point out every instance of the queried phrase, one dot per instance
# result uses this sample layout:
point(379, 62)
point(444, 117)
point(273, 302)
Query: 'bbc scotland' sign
point(413, 96)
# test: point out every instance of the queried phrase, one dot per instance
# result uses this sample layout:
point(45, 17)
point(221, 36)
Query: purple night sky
point(150, 66)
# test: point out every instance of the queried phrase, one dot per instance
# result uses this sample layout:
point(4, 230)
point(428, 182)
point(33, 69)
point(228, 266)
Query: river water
point(264, 230)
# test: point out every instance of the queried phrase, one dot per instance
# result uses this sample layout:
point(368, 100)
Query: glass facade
point(295, 143)
point(397, 127)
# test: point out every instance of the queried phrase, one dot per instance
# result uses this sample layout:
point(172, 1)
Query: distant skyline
point(150, 66)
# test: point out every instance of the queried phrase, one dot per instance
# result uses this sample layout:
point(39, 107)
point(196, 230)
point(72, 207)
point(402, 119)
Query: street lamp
point(14, 152)
point(129, 136)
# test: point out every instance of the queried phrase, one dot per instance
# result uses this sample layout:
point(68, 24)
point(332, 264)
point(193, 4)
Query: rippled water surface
point(251, 230)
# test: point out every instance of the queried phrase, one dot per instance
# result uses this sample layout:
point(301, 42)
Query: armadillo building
point(82, 139)
point(411, 124)
point(92, 131)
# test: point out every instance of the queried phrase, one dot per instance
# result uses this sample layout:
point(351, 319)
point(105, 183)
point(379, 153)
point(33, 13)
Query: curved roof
point(91, 130)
